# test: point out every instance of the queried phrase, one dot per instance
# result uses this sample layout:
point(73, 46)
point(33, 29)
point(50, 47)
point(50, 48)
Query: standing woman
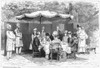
point(32, 37)
point(10, 41)
point(69, 43)
point(46, 44)
point(65, 37)
point(19, 43)
point(33, 34)
point(65, 45)
point(69, 38)
point(82, 36)
point(43, 33)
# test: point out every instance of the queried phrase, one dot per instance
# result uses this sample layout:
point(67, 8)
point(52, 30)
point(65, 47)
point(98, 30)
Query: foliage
point(84, 13)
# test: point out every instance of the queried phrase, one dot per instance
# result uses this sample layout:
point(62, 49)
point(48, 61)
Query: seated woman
point(55, 35)
point(55, 45)
point(74, 45)
point(46, 44)
point(64, 44)
point(35, 45)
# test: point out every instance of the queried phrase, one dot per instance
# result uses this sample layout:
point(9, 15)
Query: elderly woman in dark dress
point(74, 45)
point(35, 45)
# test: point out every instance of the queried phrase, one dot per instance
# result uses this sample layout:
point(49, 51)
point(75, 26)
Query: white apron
point(19, 42)
point(10, 44)
point(46, 46)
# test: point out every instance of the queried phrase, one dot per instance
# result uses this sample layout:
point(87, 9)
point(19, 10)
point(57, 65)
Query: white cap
point(8, 26)
point(18, 25)
point(55, 33)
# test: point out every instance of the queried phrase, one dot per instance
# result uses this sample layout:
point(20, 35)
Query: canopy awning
point(47, 14)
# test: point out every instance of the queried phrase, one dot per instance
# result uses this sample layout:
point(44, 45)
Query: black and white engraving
point(49, 33)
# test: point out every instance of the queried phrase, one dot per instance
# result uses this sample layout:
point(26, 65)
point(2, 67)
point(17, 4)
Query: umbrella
point(47, 14)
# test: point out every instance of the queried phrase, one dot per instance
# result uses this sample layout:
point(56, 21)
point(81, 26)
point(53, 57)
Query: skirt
point(10, 45)
point(19, 42)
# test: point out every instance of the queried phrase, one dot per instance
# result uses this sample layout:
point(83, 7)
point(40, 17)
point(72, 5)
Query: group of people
point(14, 40)
point(70, 43)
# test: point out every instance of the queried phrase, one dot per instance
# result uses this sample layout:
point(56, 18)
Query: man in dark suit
point(60, 34)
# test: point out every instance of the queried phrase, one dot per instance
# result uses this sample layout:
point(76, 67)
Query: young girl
point(10, 41)
point(19, 43)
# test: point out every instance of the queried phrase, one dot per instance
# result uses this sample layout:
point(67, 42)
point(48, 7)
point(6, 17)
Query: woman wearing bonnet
point(82, 36)
point(10, 43)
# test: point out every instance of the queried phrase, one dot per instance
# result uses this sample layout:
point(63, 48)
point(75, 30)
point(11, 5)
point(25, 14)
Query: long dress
point(46, 45)
point(74, 46)
point(10, 43)
point(19, 42)
point(82, 40)
point(35, 45)
point(65, 47)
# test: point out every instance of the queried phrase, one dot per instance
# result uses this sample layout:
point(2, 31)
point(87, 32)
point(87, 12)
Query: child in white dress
point(19, 43)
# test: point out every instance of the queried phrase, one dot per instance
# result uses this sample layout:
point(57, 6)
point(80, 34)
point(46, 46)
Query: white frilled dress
point(46, 45)
point(10, 44)
point(82, 40)
point(65, 47)
point(19, 42)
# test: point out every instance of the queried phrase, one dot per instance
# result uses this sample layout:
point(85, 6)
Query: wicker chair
point(55, 48)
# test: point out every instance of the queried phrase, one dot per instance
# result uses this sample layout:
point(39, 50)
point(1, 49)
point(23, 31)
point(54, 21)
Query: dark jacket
point(35, 45)
point(74, 44)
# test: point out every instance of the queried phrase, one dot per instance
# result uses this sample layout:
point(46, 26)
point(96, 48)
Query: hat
point(82, 27)
point(18, 25)
point(55, 33)
point(66, 31)
point(74, 35)
point(35, 29)
point(38, 32)
point(8, 26)
point(69, 32)
point(78, 26)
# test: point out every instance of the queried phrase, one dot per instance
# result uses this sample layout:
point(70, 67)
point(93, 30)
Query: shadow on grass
point(43, 60)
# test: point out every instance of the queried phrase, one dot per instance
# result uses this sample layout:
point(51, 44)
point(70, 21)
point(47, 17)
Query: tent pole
point(40, 23)
point(51, 28)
